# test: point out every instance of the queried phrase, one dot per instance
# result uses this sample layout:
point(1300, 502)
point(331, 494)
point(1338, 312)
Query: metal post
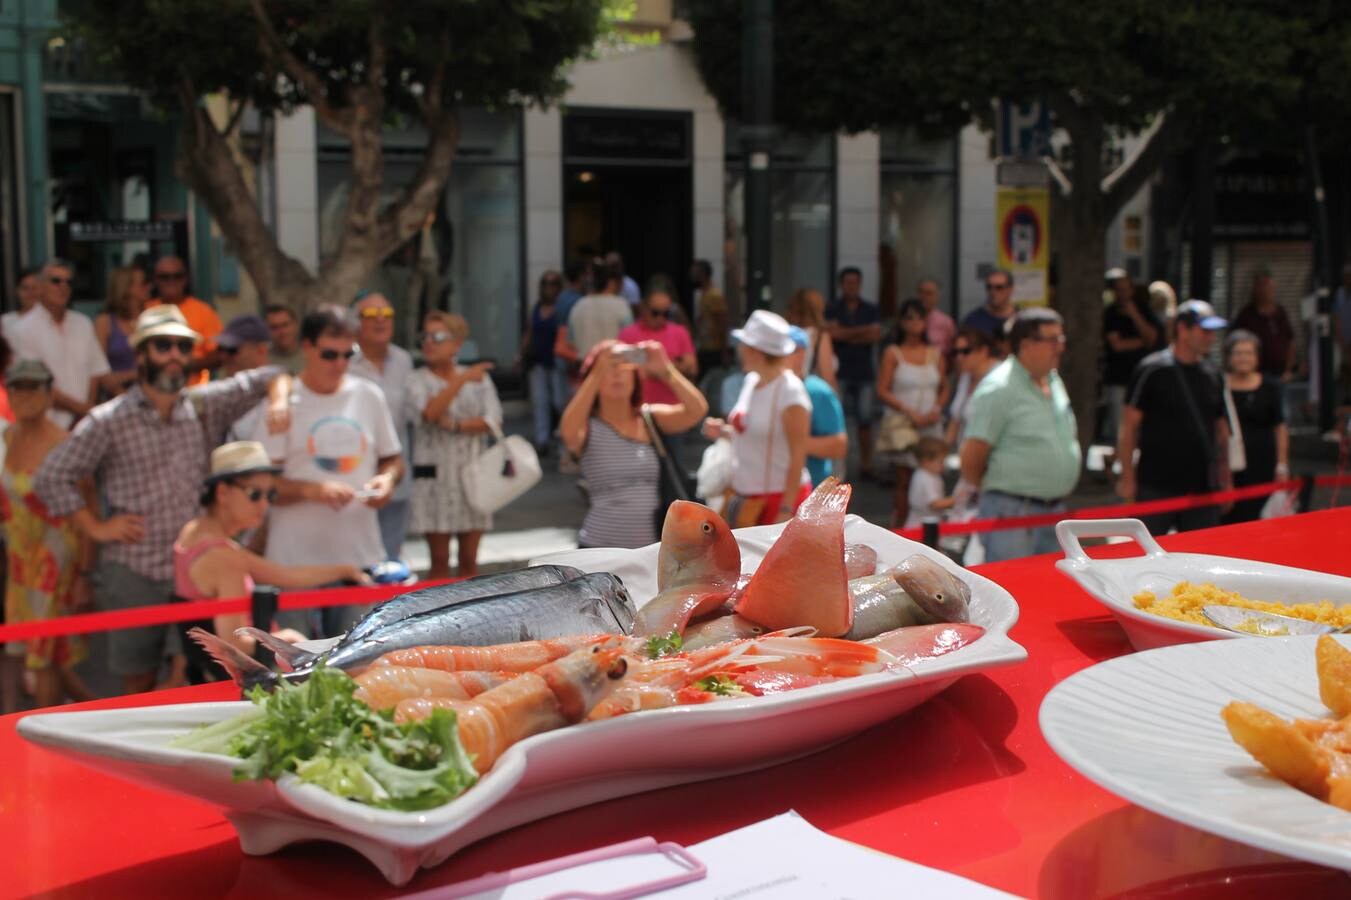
point(757, 140)
point(930, 526)
point(1323, 278)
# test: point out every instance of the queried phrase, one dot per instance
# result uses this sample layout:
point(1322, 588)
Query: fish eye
point(708, 528)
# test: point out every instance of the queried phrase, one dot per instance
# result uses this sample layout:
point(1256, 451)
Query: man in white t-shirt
point(65, 341)
point(341, 460)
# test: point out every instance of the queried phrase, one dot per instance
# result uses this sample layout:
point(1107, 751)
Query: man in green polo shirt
point(1022, 448)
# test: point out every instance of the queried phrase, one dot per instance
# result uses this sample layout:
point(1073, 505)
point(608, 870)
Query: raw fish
point(697, 569)
point(860, 560)
point(938, 592)
point(881, 605)
point(708, 632)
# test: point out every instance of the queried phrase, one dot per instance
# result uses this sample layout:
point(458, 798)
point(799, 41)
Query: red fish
point(697, 569)
point(802, 579)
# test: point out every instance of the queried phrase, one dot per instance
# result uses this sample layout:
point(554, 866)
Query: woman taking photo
point(1261, 422)
point(209, 565)
point(452, 407)
point(768, 427)
point(911, 384)
point(603, 424)
point(128, 289)
point(47, 557)
point(807, 310)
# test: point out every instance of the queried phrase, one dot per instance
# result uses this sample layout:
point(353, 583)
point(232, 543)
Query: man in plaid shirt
point(149, 449)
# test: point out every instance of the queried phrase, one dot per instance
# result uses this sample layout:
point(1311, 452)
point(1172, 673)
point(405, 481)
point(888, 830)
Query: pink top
point(183, 560)
point(940, 330)
point(674, 338)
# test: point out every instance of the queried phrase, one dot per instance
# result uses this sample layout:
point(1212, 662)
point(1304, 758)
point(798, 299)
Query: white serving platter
point(1147, 727)
point(550, 772)
point(1115, 582)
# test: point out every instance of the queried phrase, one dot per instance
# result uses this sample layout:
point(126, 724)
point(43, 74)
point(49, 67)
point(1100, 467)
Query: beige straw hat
point(165, 320)
point(239, 458)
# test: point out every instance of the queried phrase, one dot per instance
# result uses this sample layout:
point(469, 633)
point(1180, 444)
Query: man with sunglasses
point(992, 318)
point(149, 449)
point(341, 459)
point(171, 286)
point(65, 341)
point(654, 324)
point(386, 365)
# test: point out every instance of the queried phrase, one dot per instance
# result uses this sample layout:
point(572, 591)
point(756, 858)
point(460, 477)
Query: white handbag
point(503, 472)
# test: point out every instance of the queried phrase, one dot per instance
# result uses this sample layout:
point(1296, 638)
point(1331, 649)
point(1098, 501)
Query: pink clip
point(695, 870)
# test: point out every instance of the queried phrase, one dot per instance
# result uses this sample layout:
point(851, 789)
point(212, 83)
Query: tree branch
point(375, 72)
point(1062, 180)
point(235, 116)
point(302, 74)
point(1156, 143)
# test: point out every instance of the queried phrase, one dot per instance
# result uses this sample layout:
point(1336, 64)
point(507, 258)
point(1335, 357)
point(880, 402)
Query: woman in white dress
point(912, 381)
point(452, 406)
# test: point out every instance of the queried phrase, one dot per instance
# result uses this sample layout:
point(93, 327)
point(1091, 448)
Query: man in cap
point(1175, 415)
point(1130, 332)
point(244, 344)
point(65, 341)
point(149, 447)
point(387, 366)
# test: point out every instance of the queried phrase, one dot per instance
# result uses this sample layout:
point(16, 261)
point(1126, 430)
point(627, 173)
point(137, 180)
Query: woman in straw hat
point(768, 427)
point(208, 564)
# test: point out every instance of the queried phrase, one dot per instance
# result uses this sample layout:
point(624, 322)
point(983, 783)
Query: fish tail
point(289, 654)
point(830, 497)
point(243, 670)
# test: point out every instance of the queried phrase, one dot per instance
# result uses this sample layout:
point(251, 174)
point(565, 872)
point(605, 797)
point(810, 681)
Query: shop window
point(918, 229)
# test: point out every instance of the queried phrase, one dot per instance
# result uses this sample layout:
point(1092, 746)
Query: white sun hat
point(767, 332)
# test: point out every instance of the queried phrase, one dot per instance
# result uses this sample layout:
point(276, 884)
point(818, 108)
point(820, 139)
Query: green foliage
point(493, 53)
point(664, 645)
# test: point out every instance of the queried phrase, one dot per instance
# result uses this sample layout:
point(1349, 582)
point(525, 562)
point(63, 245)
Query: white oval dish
point(550, 772)
point(1147, 727)
point(1115, 582)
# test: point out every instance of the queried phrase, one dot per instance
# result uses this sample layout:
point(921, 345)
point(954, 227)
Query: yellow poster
point(1021, 218)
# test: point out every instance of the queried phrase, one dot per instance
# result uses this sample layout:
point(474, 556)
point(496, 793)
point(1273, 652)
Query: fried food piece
point(1281, 747)
point(1334, 675)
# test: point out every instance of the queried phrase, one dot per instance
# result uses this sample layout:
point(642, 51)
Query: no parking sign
point(1021, 217)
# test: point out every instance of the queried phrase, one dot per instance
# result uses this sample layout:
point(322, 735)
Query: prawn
point(660, 683)
point(556, 694)
point(382, 687)
point(519, 657)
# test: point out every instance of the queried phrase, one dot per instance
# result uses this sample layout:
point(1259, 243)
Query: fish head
point(933, 588)
point(697, 547)
point(585, 677)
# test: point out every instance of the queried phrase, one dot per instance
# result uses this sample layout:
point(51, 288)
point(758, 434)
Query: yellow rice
point(1186, 600)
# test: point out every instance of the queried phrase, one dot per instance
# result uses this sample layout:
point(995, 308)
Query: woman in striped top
point(603, 424)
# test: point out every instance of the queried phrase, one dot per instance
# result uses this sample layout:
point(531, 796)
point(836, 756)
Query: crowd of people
point(157, 454)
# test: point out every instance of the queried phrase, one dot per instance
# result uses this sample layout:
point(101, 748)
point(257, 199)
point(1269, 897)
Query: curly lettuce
point(318, 730)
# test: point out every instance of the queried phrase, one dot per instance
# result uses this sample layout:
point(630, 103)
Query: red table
point(964, 783)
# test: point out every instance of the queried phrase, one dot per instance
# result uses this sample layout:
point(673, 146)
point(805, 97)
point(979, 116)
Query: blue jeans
point(1014, 543)
point(548, 395)
point(394, 525)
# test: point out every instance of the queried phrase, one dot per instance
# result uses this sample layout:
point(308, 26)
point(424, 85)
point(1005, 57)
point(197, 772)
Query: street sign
point(1024, 129)
point(1021, 217)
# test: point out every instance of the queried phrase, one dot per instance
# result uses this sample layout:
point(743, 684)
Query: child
point(926, 487)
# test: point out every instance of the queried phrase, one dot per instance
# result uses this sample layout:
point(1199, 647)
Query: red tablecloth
point(964, 783)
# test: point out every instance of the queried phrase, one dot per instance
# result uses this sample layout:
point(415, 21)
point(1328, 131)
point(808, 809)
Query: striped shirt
point(623, 479)
point(149, 467)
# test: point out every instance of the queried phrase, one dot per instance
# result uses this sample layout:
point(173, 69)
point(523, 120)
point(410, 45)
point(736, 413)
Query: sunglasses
point(961, 351)
point(377, 312)
point(170, 276)
point(168, 345)
point(255, 494)
point(329, 355)
point(437, 337)
point(997, 287)
point(659, 313)
point(53, 279)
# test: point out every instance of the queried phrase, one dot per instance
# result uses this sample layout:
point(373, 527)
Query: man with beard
point(149, 448)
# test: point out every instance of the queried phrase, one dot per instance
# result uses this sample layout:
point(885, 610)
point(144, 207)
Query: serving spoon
point(1264, 624)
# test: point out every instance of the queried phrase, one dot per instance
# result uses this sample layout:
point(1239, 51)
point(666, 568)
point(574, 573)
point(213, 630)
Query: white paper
point(784, 858)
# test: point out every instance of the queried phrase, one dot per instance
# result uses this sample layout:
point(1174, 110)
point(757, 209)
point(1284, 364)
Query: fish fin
point(289, 656)
point(830, 496)
point(243, 670)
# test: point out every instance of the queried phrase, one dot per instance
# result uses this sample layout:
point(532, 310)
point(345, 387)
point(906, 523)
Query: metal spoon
point(1252, 622)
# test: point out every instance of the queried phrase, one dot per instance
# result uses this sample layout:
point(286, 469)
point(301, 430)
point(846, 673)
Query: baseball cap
point(245, 329)
point(1199, 312)
point(799, 336)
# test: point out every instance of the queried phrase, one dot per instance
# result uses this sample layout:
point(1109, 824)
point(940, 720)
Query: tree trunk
point(1081, 223)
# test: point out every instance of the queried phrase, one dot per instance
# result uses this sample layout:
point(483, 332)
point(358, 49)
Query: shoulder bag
point(503, 472)
point(1207, 434)
point(1238, 456)
point(672, 483)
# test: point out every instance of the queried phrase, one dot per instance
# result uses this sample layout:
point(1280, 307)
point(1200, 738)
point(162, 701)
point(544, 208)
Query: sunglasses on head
point(330, 355)
point(256, 493)
point(170, 276)
point(437, 337)
point(168, 345)
point(377, 312)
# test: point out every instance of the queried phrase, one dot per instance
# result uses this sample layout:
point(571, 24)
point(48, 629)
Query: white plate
point(1115, 582)
point(1147, 727)
point(550, 772)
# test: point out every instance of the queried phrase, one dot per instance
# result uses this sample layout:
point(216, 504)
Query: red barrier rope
point(168, 613)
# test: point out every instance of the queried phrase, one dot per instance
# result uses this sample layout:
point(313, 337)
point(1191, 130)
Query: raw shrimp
point(659, 683)
point(519, 657)
point(556, 694)
point(382, 687)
